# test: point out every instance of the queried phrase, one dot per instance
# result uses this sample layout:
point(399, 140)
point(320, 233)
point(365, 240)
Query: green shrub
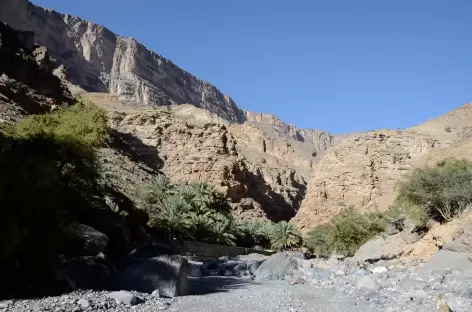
point(318, 241)
point(48, 176)
point(81, 123)
point(346, 232)
point(440, 193)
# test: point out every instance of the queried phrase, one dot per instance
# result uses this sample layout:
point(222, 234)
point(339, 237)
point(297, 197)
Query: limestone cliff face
point(361, 171)
point(192, 149)
point(99, 60)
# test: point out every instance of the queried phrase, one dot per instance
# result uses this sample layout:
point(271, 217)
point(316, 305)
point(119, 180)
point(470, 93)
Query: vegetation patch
point(197, 211)
point(49, 171)
point(439, 192)
point(345, 233)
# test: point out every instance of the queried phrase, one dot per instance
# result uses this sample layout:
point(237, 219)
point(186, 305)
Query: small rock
point(339, 272)
point(83, 303)
point(442, 305)
point(380, 269)
point(124, 297)
point(6, 304)
point(297, 281)
point(156, 293)
point(366, 282)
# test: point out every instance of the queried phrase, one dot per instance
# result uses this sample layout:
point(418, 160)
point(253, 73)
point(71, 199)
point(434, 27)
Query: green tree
point(223, 230)
point(172, 214)
point(318, 241)
point(50, 175)
point(156, 191)
point(200, 227)
point(440, 192)
point(286, 236)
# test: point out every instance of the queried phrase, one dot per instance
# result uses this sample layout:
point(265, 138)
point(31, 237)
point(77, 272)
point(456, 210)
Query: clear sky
point(336, 65)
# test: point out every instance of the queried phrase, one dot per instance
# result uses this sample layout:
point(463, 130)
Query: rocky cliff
point(190, 144)
point(362, 172)
point(99, 60)
point(27, 83)
point(364, 168)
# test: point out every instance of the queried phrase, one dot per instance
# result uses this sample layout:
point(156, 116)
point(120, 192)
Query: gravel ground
point(217, 294)
point(393, 291)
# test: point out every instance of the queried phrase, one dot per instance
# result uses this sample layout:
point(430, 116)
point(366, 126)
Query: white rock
point(380, 269)
point(366, 282)
point(124, 297)
point(83, 303)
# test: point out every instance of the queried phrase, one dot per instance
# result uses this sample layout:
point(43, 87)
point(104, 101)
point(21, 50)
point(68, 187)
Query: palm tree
point(223, 229)
point(201, 227)
point(203, 196)
point(157, 190)
point(172, 214)
point(206, 199)
point(286, 235)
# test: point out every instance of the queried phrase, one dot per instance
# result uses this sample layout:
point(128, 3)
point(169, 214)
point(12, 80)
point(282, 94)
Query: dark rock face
point(86, 241)
point(167, 274)
point(27, 84)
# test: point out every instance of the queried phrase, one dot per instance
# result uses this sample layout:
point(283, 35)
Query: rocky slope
point(262, 175)
point(364, 168)
point(361, 171)
point(27, 84)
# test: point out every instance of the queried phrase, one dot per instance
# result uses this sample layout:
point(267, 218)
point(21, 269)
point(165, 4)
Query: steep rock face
point(99, 60)
point(27, 83)
point(190, 149)
point(361, 171)
point(309, 142)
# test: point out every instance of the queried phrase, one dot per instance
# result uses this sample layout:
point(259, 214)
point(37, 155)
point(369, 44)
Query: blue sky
point(336, 65)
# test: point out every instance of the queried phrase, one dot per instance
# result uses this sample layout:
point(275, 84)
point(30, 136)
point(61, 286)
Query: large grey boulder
point(85, 273)
point(279, 266)
point(381, 247)
point(462, 241)
point(151, 248)
point(168, 274)
point(366, 282)
point(445, 259)
point(86, 241)
point(222, 267)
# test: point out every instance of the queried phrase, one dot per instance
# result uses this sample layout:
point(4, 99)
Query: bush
point(345, 233)
point(81, 123)
point(318, 241)
point(440, 193)
point(47, 176)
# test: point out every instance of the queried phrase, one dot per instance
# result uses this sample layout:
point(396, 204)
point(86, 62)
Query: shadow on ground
point(214, 284)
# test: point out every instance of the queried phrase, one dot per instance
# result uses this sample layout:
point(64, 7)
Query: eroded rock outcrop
point(187, 149)
point(361, 171)
point(27, 84)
